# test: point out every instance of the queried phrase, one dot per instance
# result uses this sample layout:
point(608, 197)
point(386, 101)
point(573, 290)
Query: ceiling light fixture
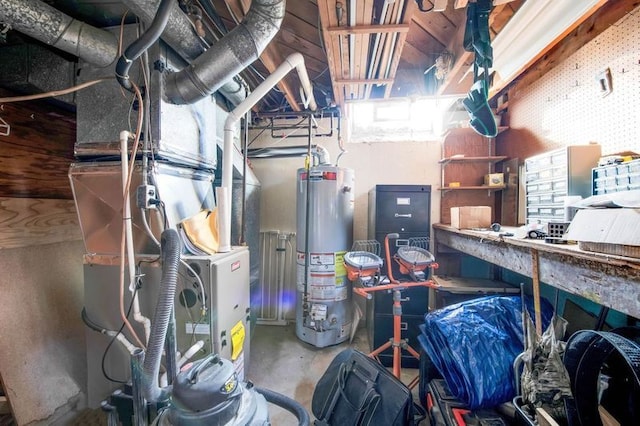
point(536, 26)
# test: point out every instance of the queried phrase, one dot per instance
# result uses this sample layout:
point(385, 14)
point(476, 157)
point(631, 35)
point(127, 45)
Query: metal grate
point(371, 246)
point(277, 287)
point(421, 242)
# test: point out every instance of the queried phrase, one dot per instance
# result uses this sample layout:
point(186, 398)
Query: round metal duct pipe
point(47, 24)
point(229, 56)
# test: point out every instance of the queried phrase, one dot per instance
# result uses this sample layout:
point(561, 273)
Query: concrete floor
point(283, 363)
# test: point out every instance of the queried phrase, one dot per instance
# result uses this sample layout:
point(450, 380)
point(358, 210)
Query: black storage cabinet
point(405, 210)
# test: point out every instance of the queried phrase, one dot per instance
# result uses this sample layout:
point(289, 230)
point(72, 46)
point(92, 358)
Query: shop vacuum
point(205, 392)
point(208, 393)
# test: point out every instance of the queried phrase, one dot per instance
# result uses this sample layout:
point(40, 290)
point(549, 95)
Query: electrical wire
point(54, 92)
point(113, 339)
point(147, 229)
point(421, 6)
point(126, 193)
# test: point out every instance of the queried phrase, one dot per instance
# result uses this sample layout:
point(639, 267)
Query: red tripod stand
point(414, 261)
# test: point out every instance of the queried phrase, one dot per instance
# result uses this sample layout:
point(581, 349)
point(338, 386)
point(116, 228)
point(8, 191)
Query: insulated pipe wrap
point(178, 33)
point(237, 50)
point(47, 24)
point(170, 246)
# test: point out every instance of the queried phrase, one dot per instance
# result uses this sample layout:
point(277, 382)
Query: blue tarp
point(473, 345)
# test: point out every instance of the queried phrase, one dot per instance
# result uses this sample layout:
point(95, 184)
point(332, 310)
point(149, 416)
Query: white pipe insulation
point(223, 193)
point(164, 380)
point(126, 215)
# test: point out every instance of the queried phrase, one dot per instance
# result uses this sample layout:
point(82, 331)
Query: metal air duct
point(229, 56)
point(42, 22)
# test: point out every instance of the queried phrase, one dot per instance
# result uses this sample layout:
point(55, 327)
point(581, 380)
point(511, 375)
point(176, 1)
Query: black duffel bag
point(357, 390)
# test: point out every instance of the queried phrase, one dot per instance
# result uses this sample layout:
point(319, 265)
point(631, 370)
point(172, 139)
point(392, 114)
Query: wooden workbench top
point(609, 280)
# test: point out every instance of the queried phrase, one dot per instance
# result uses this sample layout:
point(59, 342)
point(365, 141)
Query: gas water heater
point(325, 199)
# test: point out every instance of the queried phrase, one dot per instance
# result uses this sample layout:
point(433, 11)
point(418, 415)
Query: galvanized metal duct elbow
point(229, 56)
point(42, 22)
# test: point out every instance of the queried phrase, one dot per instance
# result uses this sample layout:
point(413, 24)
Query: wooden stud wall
point(36, 202)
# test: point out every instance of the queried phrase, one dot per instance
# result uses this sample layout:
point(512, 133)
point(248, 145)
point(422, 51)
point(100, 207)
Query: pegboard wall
point(566, 106)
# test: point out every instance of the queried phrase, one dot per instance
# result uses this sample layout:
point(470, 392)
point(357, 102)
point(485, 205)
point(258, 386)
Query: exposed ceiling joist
point(410, 9)
point(365, 47)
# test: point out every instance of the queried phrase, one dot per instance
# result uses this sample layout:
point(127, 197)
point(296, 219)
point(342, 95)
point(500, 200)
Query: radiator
point(277, 286)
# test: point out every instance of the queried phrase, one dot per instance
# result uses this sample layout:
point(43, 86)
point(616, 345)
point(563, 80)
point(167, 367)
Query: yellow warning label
point(340, 268)
point(237, 340)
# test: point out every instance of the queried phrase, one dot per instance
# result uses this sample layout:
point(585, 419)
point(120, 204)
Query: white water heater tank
point(325, 199)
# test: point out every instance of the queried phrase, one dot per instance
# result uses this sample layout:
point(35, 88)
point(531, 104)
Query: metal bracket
point(5, 128)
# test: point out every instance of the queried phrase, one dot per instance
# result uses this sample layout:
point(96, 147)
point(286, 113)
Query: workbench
point(609, 280)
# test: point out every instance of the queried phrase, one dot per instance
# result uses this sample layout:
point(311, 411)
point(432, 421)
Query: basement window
point(398, 120)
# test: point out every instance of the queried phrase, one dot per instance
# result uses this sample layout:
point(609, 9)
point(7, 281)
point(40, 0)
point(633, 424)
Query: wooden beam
point(365, 81)
point(606, 417)
point(462, 59)
point(535, 277)
point(4, 405)
point(544, 418)
point(34, 221)
point(437, 25)
point(380, 40)
point(409, 10)
point(333, 46)
point(440, 5)
point(369, 29)
point(386, 53)
point(364, 17)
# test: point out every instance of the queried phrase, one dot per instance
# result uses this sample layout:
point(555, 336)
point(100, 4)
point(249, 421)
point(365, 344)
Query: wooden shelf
point(467, 157)
point(472, 188)
point(463, 130)
point(503, 107)
point(492, 160)
point(4, 405)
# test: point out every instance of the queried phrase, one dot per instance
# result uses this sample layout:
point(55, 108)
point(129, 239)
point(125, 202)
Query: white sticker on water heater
point(318, 312)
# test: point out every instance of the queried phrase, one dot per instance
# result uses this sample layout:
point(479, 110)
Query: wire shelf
point(371, 246)
point(421, 242)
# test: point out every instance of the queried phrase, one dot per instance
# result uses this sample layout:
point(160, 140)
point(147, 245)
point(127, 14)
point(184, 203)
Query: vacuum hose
point(170, 248)
point(287, 403)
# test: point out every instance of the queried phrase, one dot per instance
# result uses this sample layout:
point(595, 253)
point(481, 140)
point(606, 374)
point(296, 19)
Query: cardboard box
point(471, 217)
point(494, 179)
point(611, 231)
